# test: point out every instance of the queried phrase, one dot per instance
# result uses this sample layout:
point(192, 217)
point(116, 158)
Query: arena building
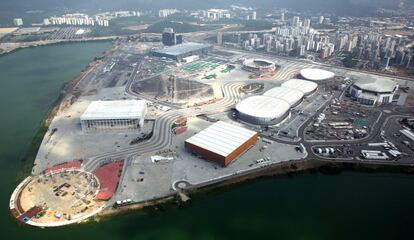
point(123, 114)
point(259, 65)
point(262, 110)
point(373, 90)
point(180, 51)
point(290, 95)
point(315, 74)
point(307, 87)
point(221, 142)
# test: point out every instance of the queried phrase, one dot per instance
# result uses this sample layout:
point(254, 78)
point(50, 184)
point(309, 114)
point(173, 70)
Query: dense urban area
point(187, 99)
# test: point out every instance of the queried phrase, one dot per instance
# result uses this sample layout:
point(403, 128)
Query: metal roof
point(290, 95)
point(376, 84)
point(302, 85)
point(263, 107)
point(316, 74)
point(183, 48)
point(221, 138)
point(119, 109)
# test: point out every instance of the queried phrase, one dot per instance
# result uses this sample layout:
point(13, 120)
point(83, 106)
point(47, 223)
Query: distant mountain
point(334, 6)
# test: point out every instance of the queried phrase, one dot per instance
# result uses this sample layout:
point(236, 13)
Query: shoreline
point(67, 90)
point(284, 169)
point(24, 45)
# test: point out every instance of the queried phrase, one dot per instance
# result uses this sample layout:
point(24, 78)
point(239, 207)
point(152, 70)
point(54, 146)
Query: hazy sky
point(323, 5)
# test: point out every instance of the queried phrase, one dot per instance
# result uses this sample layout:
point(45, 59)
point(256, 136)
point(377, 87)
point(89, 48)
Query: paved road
point(162, 135)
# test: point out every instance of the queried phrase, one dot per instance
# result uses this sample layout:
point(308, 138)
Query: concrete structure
point(180, 51)
point(290, 95)
point(262, 110)
point(259, 65)
point(315, 74)
point(124, 114)
point(18, 22)
point(307, 87)
point(373, 90)
point(221, 142)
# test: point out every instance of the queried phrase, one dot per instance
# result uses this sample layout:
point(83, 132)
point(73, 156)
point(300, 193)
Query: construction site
point(147, 122)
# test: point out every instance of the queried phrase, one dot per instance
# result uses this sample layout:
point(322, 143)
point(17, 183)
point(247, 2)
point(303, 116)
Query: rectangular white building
point(120, 114)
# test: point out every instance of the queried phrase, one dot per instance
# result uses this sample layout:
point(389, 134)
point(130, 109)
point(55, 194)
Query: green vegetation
point(349, 60)
point(180, 27)
point(257, 25)
point(323, 26)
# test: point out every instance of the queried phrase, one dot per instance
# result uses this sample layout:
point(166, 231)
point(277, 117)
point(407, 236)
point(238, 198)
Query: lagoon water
point(307, 206)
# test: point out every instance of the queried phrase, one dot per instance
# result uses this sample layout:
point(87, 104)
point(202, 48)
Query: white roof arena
point(307, 87)
point(290, 95)
point(119, 109)
point(262, 109)
point(221, 138)
point(376, 84)
point(316, 74)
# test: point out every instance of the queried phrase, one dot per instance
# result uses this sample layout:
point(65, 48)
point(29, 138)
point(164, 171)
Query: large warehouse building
point(262, 110)
point(123, 114)
point(373, 90)
point(180, 51)
point(290, 95)
point(315, 74)
point(307, 87)
point(221, 142)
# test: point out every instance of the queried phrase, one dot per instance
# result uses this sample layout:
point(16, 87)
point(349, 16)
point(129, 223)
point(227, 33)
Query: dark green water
point(346, 206)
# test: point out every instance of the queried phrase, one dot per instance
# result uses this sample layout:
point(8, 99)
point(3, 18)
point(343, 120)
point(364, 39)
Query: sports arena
point(262, 110)
point(258, 65)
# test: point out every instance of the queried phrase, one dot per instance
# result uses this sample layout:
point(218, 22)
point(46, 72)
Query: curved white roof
point(290, 95)
point(302, 85)
point(379, 85)
point(316, 74)
point(263, 107)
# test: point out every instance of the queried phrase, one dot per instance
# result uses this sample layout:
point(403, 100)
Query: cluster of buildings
point(81, 19)
point(215, 14)
point(297, 37)
point(378, 49)
point(166, 12)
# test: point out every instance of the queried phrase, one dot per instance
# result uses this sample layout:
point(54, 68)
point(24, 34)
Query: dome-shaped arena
point(376, 85)
point(290, 95)
point(258, 65)
point(307, 87)
point(262, 110)
point(316, 74)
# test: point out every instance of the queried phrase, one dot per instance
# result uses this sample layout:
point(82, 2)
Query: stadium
point(262, 110)
point(258, 65)
point(373, 90)
point(290, 95)
point(120, 114)
point(315, 74)
point(307, 87)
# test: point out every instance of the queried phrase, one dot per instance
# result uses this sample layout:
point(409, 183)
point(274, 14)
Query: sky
point(96, 5)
